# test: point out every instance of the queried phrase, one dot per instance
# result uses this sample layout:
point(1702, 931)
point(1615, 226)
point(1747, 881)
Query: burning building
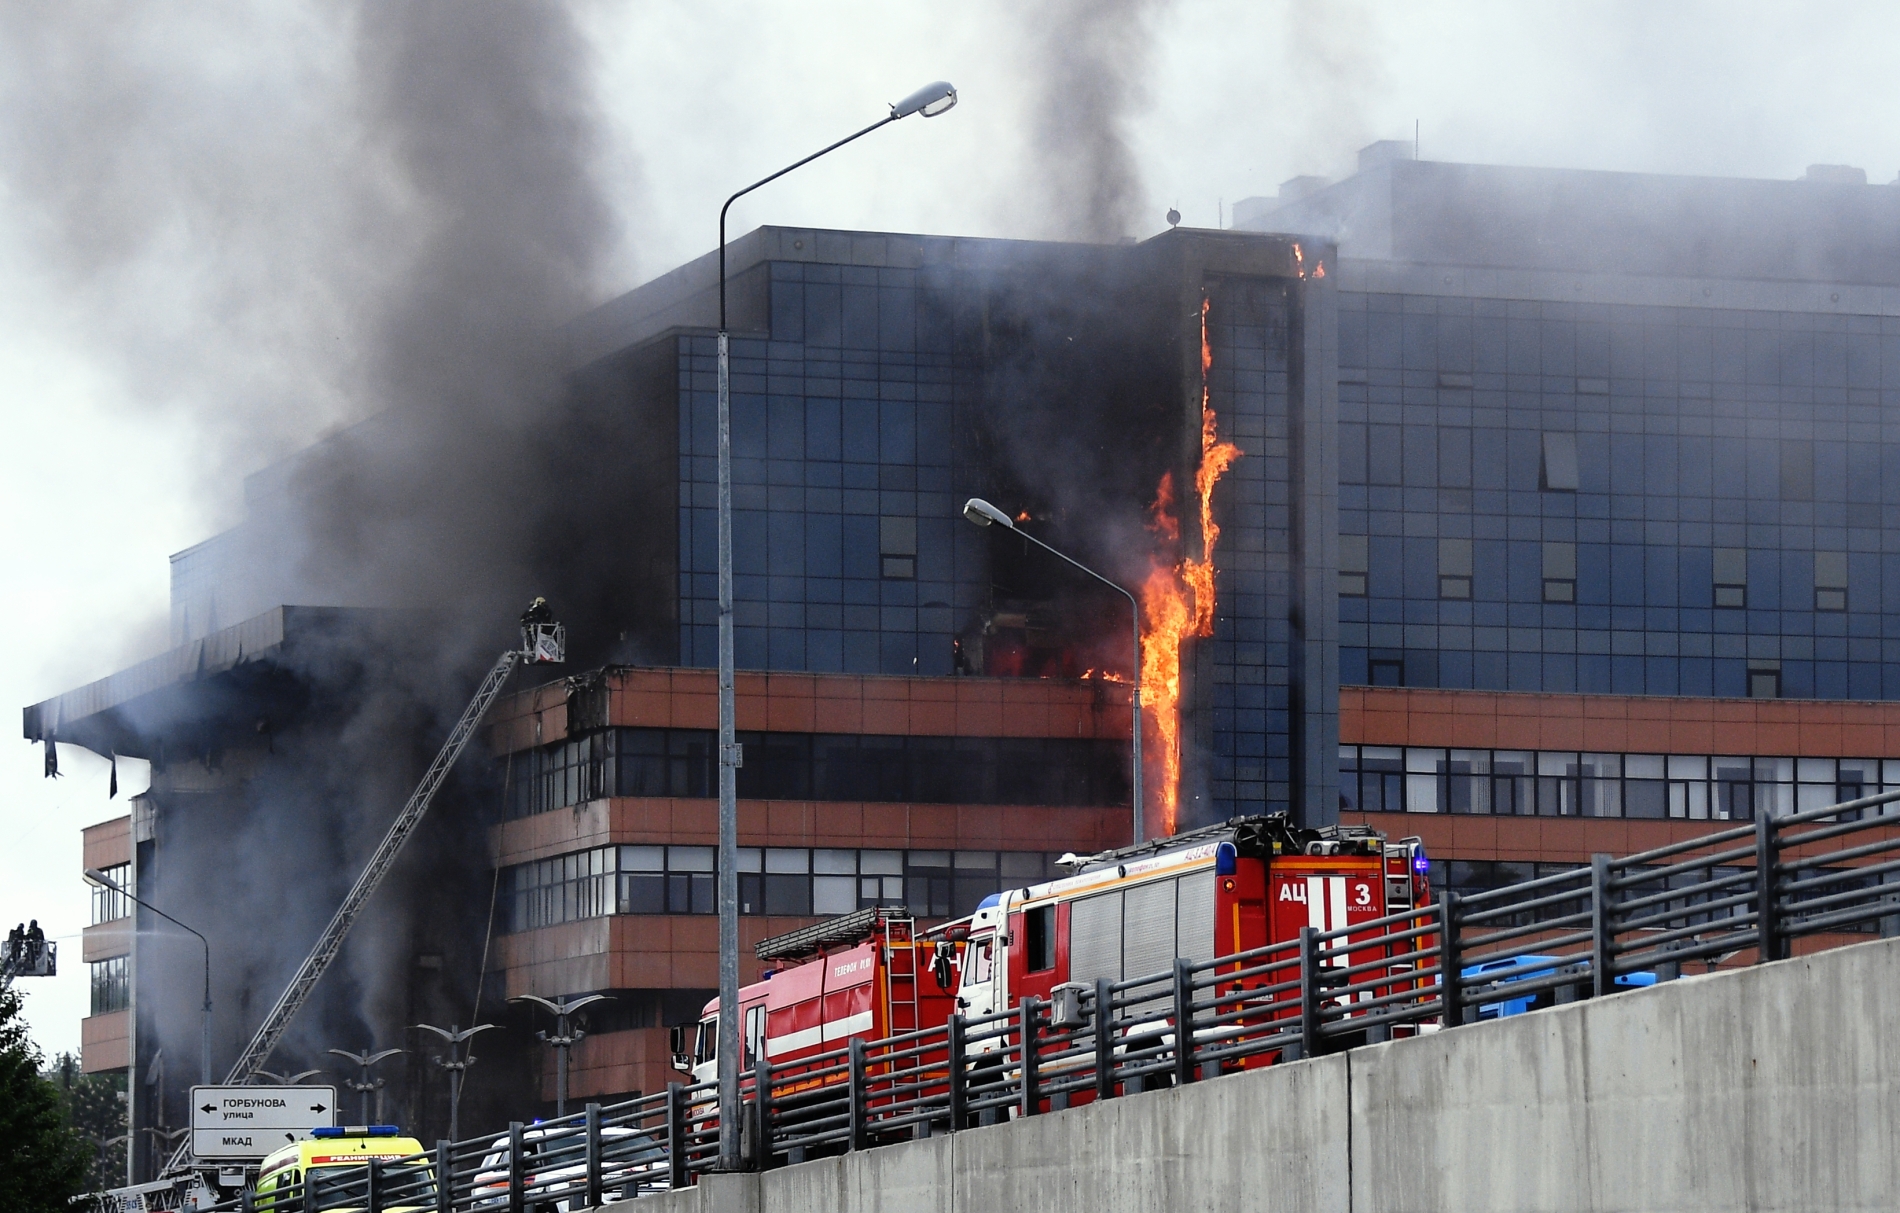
point(1577, 481)
point(939, 710)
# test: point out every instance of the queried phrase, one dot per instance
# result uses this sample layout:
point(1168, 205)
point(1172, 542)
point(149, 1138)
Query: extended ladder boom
point(540, 642)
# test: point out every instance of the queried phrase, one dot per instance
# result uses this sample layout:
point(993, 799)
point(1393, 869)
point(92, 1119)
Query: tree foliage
point(94, 1105)
point(43, 1162)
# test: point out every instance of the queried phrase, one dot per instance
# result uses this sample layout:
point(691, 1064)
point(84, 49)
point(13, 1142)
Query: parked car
point(554, 1168)
point(1546, 966)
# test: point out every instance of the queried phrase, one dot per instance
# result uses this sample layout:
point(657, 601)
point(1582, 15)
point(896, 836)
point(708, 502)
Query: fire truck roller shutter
point(1194, 914)
point(1148, 931)
point(1095, 937)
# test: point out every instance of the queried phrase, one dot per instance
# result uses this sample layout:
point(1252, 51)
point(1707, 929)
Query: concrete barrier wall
point(1776, 1088)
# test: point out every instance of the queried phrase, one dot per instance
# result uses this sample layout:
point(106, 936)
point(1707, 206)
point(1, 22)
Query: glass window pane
point(834, 894)
point(1421, 794)
point(976, 859)
point(833, 859)
point(1813, 796)
point(1556, 763)
point(1815, 770)
point(930, 859)
point(749, 859)
point(640, 894)
point(1476, 762)
point(1417, 759)
point(1688, 766)
point(690, 859)
point(891, 862)
point(1643, 766)
point(1603, 766)
point(1645, 798)
point(788, 894)
point(1775, 799)
point(1777, 770)
point(968, 891)
point(786, 859)
point(1021, 866)
point(1348, 757)
point(642, 859)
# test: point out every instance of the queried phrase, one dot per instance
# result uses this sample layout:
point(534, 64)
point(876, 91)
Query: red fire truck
point(864, 975)
point(1228, 888)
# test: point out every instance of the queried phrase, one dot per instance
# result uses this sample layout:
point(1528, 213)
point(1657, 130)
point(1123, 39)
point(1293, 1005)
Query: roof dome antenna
point(1174, 217)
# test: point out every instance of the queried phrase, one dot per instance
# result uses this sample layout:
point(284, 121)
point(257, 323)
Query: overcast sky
point(172, 315)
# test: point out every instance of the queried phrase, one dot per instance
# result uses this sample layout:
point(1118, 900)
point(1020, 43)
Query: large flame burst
point(1177, 601)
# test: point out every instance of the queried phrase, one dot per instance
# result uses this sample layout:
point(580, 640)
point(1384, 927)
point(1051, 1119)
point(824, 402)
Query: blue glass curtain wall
point(1734, 525)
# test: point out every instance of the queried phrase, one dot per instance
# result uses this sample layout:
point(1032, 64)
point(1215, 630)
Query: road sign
point(250, 1122)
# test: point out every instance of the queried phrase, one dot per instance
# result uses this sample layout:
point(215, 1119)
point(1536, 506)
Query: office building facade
point(1583, 485)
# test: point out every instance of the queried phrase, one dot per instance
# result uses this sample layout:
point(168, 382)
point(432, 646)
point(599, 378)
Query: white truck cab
point(983, 988)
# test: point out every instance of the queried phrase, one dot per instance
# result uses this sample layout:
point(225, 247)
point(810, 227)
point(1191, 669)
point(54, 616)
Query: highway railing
point(1740, 894)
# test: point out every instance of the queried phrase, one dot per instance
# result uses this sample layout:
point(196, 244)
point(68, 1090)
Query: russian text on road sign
point(250, 1122)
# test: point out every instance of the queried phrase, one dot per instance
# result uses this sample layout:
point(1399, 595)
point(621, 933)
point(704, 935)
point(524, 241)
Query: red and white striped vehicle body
point(1215, 892)
point(865, 975)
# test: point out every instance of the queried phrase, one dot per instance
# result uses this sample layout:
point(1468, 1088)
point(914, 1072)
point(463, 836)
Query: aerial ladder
point(543, 641)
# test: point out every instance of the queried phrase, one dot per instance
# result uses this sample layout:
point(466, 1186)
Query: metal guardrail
point(1753, 887)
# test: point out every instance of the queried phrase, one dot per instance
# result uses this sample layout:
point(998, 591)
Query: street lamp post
point(457, 1063)
point(204, 1039)
point(931, 100)
point(983, 513)
point(363, 1084)
point(563, 1039)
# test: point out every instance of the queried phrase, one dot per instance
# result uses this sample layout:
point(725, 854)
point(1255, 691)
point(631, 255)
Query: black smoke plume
point(369, 218)
point(1090, 59)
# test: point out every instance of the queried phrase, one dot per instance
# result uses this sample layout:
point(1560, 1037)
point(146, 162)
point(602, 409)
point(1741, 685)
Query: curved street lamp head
point(562, 1006)
point(983, 513)
point(365, 1058)
point(930, 100)
point(454, 1037)
point(101, 879)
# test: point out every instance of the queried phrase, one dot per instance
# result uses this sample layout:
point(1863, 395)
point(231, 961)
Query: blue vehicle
point(1549, 966)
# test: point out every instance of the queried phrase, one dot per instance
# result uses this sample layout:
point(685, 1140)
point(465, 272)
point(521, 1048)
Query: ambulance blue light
point(1224, 859)
point(326, 1131)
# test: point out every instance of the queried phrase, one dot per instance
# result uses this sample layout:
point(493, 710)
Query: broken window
point(1560, 463)
point(897, 548)
point(1560, 572)
point(1731, 577)
point(1830, 581)
point(1352, 566)
point(1454, 568)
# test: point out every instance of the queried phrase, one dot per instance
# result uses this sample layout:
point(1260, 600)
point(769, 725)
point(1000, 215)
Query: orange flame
point(1177, 602)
